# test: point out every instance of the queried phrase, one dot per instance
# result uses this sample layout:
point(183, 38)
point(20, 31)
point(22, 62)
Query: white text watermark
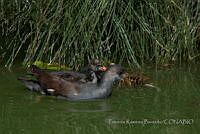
point(152, 122)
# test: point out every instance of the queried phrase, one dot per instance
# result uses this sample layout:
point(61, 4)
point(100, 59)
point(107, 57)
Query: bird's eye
point(98, 67)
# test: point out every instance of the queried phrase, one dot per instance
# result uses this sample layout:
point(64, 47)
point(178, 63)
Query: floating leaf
point(51, 66)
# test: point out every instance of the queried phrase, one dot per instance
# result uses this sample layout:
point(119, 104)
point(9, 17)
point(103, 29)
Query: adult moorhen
point(76, 90)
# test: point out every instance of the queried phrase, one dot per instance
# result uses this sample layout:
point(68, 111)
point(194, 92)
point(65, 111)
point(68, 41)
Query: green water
point(24, 112)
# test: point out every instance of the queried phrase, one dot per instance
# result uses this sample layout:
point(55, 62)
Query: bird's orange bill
point(103, 68)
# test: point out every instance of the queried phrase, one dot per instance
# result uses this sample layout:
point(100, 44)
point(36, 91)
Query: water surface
point(175, 108)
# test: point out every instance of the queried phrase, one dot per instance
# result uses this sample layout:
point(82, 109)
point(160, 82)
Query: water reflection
point(68, 106)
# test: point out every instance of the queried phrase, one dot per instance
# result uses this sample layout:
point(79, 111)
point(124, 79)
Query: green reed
point(72, 32)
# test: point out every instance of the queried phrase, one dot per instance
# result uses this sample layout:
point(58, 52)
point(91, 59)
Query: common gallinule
point(76, 90)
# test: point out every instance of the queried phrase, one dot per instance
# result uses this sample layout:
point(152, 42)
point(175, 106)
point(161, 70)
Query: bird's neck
point(107, 81)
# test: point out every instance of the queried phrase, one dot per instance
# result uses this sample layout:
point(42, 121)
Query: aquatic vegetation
point(72, 32)
point(53, 66)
